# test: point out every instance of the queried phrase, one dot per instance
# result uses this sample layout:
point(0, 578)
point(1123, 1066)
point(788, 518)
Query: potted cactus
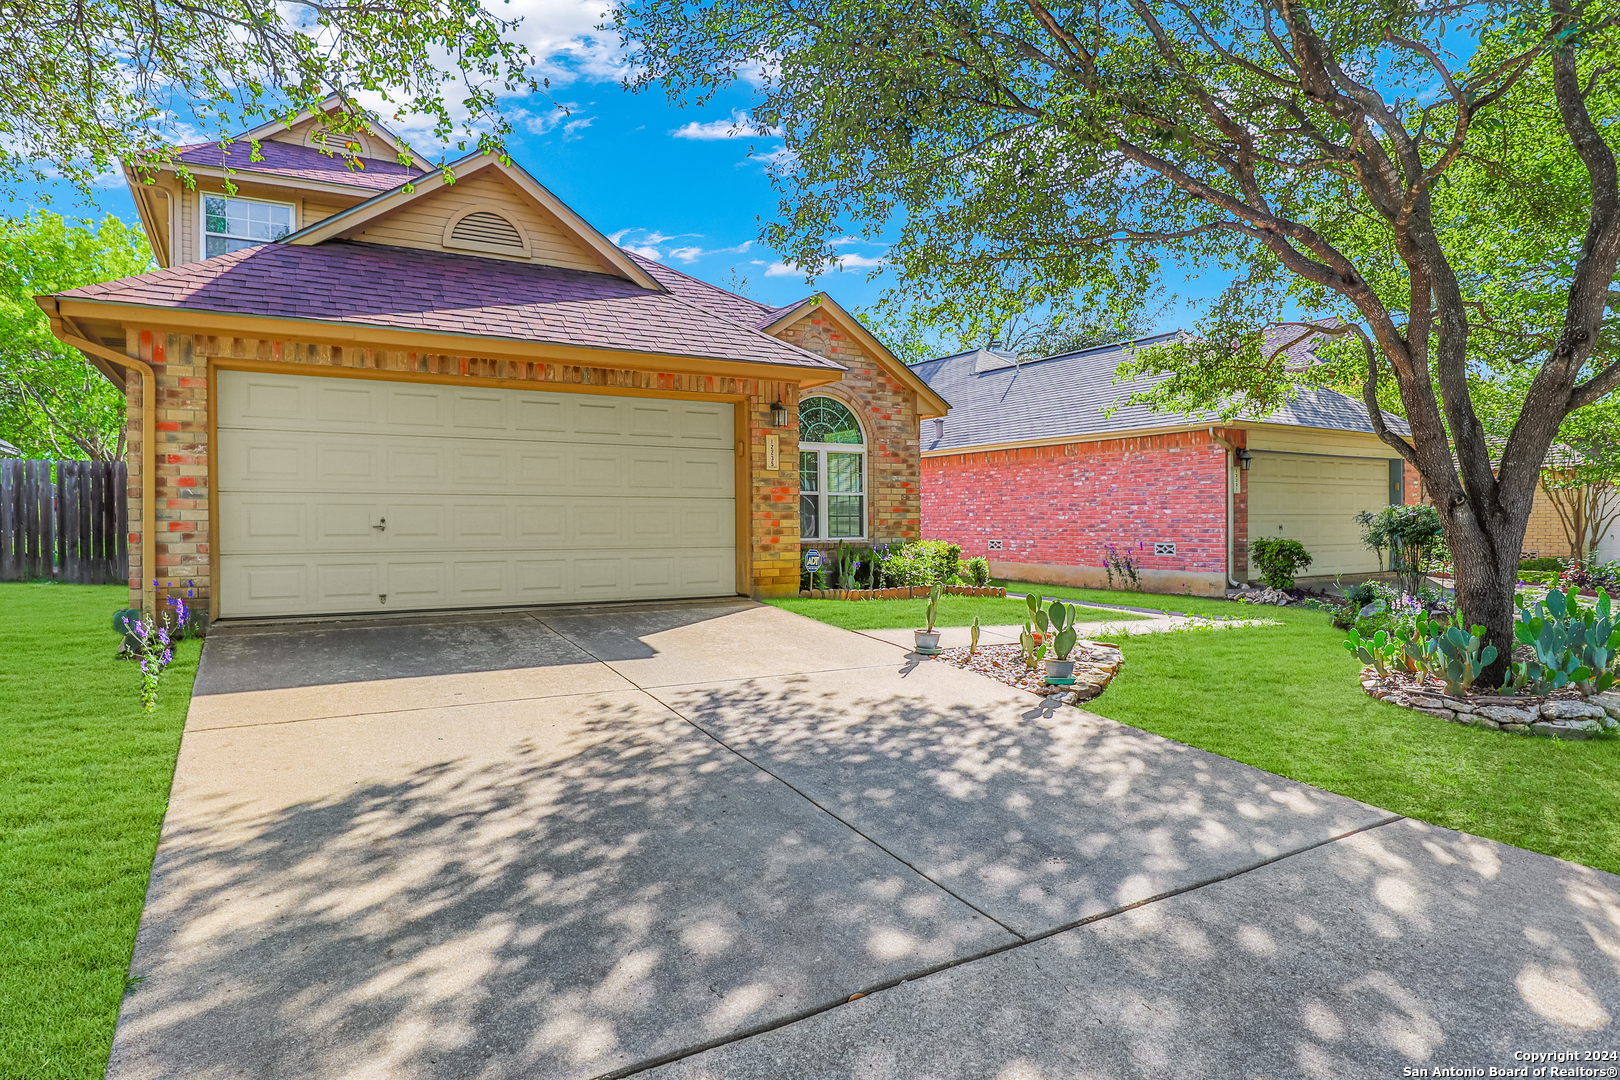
point(1060, 618)
point(928, 638)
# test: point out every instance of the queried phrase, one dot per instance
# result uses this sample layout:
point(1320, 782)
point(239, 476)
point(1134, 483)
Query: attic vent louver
point(487, 230)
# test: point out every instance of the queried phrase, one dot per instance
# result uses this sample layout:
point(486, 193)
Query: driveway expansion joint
point(961, 961)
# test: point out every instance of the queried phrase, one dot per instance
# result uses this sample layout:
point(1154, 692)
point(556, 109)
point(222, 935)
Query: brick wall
point(887, 410)
point(184, 476)
point(1056, 507)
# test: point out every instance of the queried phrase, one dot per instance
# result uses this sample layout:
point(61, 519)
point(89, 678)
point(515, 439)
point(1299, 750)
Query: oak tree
point(1353, 161)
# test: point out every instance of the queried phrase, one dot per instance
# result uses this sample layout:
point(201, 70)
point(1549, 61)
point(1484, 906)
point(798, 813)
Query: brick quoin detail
point(1060, 505)
point(184, 474)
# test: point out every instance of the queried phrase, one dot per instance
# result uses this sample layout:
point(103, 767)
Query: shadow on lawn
point(593, 883)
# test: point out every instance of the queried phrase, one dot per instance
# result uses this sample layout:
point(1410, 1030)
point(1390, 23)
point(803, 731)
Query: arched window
point(832, 471)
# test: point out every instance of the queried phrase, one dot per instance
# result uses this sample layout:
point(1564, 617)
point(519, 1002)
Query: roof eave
point(194, 320)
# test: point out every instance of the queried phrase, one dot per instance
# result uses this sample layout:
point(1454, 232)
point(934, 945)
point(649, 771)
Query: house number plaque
point(773, 451)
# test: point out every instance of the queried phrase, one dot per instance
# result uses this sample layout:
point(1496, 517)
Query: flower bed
point(1095, 665)
point(915, 592)
point(1564, 713)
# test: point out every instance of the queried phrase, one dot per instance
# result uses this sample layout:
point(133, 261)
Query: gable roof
point(355, 218)
point(290, 161)
point(333, 101)
point(374, 285)
point(1063, 398)
point(929, 401)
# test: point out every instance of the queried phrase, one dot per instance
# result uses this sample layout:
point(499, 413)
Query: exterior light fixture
point(1243, 459)
point(779, 415)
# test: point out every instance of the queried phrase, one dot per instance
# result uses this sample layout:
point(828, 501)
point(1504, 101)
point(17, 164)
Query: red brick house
point(354, 386)
point(1031, 469)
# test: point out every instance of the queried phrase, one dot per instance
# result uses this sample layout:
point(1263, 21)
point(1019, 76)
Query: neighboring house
point(1030, 469)
point(375, 390)
point(1564, 519)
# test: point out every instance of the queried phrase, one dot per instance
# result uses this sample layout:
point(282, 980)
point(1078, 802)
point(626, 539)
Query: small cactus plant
point(973, 645)
point(933, 607)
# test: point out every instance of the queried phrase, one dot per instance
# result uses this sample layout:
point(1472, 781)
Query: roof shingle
point(1066, 397)
point(289, 161)
point(439, 292)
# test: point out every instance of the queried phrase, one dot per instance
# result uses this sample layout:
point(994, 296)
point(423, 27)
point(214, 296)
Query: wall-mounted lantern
point(1243, 459)
point(779, 415)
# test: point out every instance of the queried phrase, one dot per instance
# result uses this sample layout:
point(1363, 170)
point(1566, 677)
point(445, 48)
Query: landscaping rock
point(1505, 715)
point(1568, 729)
point(1572, 710)
point(1517, 729)
point(1610, 700)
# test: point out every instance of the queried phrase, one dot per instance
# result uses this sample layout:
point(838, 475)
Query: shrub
point(1279, 560)
point(977, 570)
point(922, 562)
point(1543, 565)
point(1413, 536)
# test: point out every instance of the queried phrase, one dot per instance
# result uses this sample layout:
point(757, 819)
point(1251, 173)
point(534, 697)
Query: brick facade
point(184, 477)
point(887, 410)
point(1055, 508)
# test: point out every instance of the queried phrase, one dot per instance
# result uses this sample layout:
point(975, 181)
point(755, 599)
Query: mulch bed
point(1095, 665)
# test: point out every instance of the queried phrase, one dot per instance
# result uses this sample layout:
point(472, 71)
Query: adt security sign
point(812, 560)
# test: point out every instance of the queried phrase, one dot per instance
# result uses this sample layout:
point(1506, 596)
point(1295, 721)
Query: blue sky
point(678, 184)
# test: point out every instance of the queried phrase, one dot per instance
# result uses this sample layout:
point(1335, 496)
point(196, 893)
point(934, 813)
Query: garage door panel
point(283, 403)
point(488, 496)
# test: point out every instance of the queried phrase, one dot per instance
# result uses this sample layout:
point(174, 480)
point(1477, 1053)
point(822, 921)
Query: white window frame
point(202, 218)
point(821, 450)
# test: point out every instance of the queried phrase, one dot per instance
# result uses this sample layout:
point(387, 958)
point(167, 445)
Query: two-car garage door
point(355, 495)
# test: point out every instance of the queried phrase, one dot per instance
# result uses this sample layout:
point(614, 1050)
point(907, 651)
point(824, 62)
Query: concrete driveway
point(682, 839)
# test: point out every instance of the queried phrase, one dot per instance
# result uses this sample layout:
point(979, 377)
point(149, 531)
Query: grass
point(1286, 699)
point(84, 780)
point(1187, 605)
point(911, 614)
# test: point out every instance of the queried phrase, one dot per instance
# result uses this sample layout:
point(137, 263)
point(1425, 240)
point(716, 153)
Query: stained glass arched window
point(827, 420)
point(832, 471)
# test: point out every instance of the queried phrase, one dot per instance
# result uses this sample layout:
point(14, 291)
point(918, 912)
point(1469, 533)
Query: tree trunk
point(1485, 558)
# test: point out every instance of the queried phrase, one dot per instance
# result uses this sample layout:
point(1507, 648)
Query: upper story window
point(832, 471)
point(231, 224)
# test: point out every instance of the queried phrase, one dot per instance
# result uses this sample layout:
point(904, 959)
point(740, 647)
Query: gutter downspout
point(148, 458)
point(1231, 547)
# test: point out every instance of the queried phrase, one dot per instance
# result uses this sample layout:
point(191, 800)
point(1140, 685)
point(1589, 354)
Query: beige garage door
point(1314, 500)
point(354, 495)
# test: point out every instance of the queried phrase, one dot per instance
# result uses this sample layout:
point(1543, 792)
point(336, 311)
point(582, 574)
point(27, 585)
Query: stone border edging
point(913, 592)
point(1565, 718)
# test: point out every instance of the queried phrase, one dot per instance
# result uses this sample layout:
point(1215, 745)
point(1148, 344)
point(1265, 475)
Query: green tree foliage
point(89, 85)
point(1433, 182)
point(53, 403)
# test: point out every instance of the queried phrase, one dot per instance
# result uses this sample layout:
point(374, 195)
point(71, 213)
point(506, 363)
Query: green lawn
point(1187, 605)
point(911, 614)
point(84, 779)
point(1285, 698)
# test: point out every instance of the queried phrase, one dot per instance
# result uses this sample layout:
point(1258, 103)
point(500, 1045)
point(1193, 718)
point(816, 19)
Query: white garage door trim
point(341, 495)
point(1313, 498)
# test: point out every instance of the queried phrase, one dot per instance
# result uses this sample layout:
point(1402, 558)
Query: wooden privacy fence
point(64, 521)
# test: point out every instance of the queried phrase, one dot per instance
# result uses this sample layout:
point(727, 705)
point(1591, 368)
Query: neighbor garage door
point(1315, 500)
point(354, 495)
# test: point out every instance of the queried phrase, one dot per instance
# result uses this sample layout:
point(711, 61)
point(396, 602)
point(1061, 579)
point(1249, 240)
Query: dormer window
point(231, 224)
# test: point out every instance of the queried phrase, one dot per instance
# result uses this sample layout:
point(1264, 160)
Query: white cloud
point(572, 129)
point(739, 126)
point(840, 262)
point(654, 244)
point(780, 161)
